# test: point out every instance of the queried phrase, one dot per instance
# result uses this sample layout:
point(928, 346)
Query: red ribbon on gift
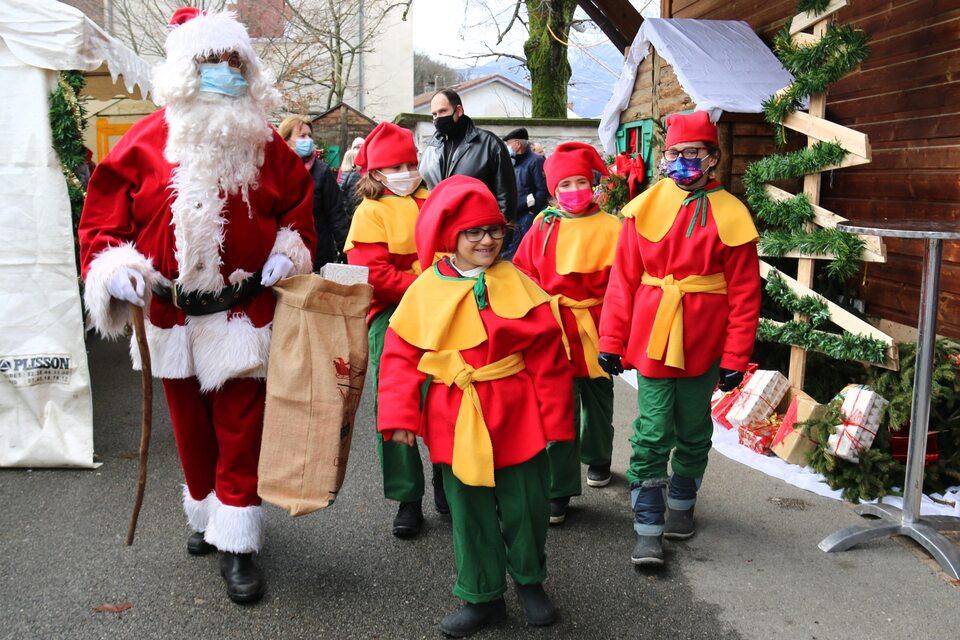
point(856, 420)
point(633, 169)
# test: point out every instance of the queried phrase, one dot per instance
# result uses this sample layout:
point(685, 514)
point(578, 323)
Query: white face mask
point(402, 183)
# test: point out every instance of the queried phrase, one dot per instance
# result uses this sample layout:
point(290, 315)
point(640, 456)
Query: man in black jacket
point(532, 194)
point(460, 148)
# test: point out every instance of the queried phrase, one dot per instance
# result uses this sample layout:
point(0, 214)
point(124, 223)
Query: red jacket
point(522, 412)
point(129, 220)
point(714, 326)
point(542, 268)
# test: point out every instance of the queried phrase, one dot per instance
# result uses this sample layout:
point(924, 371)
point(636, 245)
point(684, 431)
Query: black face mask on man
point(447, 126)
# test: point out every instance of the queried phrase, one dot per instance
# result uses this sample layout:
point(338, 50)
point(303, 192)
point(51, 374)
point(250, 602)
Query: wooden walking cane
point(146, 424)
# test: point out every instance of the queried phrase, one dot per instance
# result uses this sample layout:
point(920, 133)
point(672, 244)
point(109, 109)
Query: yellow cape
point(389, 220)
point(585, 244)
point(439, 313)
point(655, 210)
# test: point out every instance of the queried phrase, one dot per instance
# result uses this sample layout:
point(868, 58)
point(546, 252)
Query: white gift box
point(758, 398)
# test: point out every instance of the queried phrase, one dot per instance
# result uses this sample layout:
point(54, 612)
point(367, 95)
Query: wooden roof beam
point(618, 19)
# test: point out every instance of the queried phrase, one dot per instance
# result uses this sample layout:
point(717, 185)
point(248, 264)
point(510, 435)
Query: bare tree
point(430, 72)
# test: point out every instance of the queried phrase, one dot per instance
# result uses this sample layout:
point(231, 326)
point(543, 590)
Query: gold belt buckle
point(173, 296)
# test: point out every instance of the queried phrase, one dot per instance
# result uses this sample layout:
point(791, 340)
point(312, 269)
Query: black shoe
point(470, 618)
point(409, 520)
point(598, 475)
point(439, 495)
point(197, 546)
point(537, 608)
point(648, 551)
point(558, 510)
point(680, 525)
point(245, 584)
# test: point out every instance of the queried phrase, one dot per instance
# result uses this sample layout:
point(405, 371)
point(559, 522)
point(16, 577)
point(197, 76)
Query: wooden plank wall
point(906, 97)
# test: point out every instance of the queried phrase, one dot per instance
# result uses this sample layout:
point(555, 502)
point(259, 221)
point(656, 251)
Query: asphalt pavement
point(752, 572)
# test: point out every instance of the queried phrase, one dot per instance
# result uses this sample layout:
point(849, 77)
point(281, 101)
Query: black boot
point(558, 510)
point(648, 551)
point(197, 546)
point(537, 608)
point(409, 520)
point(680, 524)
point(470, 618)
point(245, 584)
point(439, 495)
point(598, 475)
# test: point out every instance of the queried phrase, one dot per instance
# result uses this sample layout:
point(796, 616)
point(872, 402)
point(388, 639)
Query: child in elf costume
point(381, 239)
point(474, 364)
point(682, 308)
point(569, 251)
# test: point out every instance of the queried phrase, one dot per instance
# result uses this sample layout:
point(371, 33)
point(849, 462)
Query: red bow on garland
point(633, 169)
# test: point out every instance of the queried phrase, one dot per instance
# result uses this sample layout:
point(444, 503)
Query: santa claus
point(197, 211)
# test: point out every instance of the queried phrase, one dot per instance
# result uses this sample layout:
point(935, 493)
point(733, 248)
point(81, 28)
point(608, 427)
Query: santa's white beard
point(217, 140)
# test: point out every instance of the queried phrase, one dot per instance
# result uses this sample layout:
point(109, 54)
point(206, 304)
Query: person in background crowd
point(460, 148)
point(381, 239)
point(332, 223)
point(195, 226)
point(569, 252)
point(682, 308)
point(532, 192)
point(474, 364)
point(347, 178)
point(538, 149)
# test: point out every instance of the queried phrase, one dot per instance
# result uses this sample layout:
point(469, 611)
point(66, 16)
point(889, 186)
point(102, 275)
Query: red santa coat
point(588, 281)
point(714, 326)
point(133, 217)
point(522, 412)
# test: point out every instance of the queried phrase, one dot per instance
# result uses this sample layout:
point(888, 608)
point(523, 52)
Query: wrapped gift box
point(721, 401)
point(790, 443)
point(862, 410)
point(758, 399)
point(758, 437)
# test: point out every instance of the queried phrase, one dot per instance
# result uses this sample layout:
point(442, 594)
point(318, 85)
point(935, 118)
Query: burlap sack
point(318, 360)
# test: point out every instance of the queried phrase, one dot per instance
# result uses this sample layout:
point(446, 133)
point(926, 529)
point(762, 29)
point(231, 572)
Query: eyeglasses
point(232, 58)
point(477, 234)
point(689, 153)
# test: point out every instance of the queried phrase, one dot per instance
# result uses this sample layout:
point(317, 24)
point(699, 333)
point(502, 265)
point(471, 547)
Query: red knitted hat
point(572, 159)
point(690, 127)
point(386, 146)
point(456, 204)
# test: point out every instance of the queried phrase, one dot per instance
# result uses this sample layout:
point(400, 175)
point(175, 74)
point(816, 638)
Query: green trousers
point(592, 442)
point(674, 416)
point(400, 465)
point(499, 529)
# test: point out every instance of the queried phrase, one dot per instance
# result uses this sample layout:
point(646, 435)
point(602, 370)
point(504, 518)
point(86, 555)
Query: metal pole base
point(925, 532)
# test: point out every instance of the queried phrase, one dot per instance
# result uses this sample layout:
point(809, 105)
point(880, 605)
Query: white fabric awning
point(52, 35)
point(721, 64)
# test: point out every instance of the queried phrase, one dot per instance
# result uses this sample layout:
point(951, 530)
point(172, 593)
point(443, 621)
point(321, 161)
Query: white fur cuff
point(290, 244)
point(235, 529)
point(198, 511)
point(107, 315)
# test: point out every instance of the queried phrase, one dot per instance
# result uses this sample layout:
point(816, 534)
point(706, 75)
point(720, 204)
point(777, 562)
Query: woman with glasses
point(474, 364)
point(682, 308)
point(569, 251)
point(381, 239)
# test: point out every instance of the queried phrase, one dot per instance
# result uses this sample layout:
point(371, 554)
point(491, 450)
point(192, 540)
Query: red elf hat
point(456, 204)
point(386, 146)
point(572, 159)
point(690, 127)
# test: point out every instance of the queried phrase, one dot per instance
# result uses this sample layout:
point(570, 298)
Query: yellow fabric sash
point(586, 328)
point(585, 244)
point(389, 220)
point(439, 313)
point(655, 210)
point(472, 447)
point(667, 333)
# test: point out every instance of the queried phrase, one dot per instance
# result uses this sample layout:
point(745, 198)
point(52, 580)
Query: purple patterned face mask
point(683, 171)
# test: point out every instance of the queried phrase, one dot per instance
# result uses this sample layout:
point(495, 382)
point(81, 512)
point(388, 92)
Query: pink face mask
point(575, 201)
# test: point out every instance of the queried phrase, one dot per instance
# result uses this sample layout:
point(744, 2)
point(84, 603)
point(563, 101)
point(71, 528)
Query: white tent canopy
point(721, 64)
point(45, 405)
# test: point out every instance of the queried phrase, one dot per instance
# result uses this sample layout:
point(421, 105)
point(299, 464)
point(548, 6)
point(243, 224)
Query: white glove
point(531, 200)
point(276, 268)
point(121, 288)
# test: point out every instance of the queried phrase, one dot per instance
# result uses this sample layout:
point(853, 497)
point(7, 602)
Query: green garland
point(811, 306)
point(841, 49)
point(67, 123)
point(870, 479)
point(816, 6)
point(843, 346)
point(845, 248)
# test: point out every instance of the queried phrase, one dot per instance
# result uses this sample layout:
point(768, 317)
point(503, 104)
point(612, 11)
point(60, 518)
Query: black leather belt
point(202, 303)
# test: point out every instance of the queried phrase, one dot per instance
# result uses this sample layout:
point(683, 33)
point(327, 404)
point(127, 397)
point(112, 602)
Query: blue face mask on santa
point(223, 79)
